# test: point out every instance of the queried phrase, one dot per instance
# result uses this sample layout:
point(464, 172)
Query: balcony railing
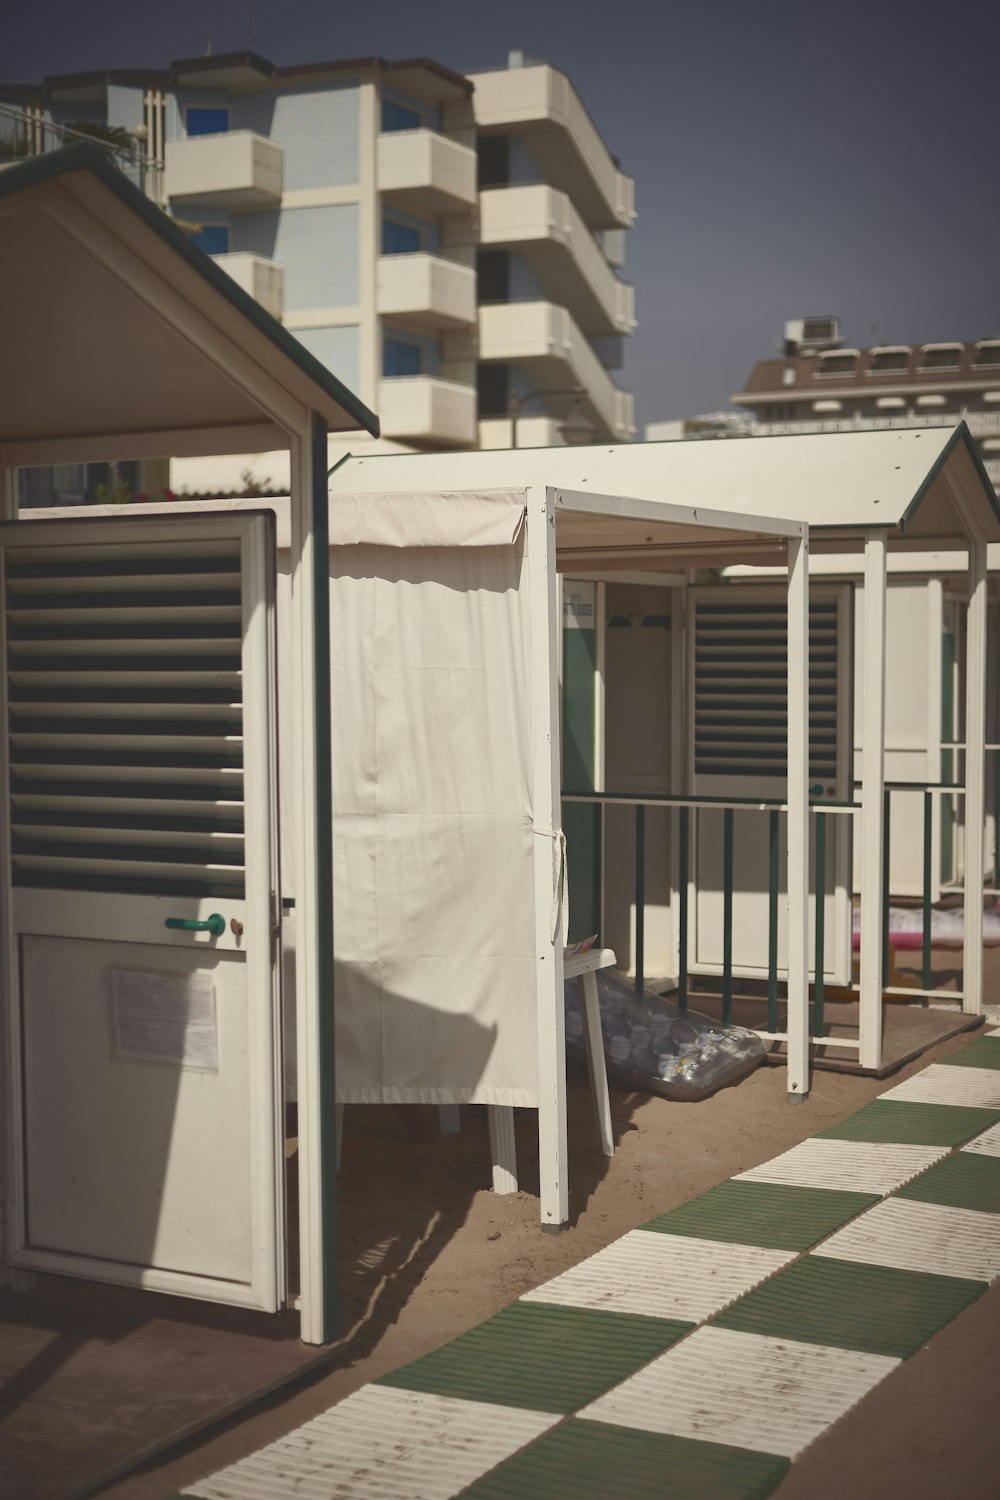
point(541, 104)
point(427, 173)
point(425, 291)
point(238, 169)
point(550, 234)
point(981, 423)
point(545, 339)
point(423, 409)
point(263, 279)
point(26, 132)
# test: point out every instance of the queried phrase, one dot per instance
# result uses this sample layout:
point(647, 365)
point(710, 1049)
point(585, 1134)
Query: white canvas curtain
point(433, 882)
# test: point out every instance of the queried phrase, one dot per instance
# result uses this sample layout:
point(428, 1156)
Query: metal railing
point(981, 423)
point(29, 134)
point(687, 831)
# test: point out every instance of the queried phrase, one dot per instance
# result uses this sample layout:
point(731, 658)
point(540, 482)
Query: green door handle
point(215, 924)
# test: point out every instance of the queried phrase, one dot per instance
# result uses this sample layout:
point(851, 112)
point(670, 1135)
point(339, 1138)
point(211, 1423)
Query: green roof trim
point(84, 157)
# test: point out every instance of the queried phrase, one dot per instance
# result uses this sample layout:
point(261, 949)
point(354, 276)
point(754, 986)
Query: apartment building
point(451, 246)
point(820, 384)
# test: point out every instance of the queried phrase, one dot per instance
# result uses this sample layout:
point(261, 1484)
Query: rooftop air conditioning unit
point(806, 335)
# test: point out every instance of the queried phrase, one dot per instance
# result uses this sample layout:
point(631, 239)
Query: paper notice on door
point(166, 1018)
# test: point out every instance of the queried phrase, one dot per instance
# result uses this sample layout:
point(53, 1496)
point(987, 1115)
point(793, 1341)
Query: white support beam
point(678, 762)
point(549, 869)
point(159, 442)
point(503, 1147)
point(798, 819)
point(872, 795)
point(975, 778)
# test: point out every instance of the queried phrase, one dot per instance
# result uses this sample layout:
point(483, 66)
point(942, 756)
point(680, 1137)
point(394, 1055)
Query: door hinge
point(275, 924)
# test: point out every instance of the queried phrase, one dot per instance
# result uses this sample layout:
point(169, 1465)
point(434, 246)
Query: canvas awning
point(924, 485)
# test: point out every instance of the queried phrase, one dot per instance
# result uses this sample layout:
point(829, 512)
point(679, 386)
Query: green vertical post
point(597, 895)
point(772, 922)
point(820, 959)
point(640, 896)
point(925, 942)
point(996, 817)
point(886, 806)
point(323, 835)
point(948, 814)
point(727, 916)
point(682, 914)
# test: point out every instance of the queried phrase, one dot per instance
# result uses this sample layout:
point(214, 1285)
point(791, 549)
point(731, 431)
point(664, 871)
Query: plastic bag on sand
point(649, 1044)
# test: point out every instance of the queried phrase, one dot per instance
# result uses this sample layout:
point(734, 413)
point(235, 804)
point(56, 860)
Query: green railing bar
point(996, 817)
point(886, 802)
point(727, 916)
point(640, 896)
point(820, 959)
point(772, 923)
point(925, 944)
point(682, 915)
point(597, 895)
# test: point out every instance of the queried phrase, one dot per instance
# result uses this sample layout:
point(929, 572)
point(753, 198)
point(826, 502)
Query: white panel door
point(737, 747)
point(140, 898)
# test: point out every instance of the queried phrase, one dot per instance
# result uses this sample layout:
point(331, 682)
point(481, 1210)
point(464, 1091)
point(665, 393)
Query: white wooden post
point(872, 798)
point(317, 1166)
point(550, 874)
point(798, 818)
point(975, 778)
point(503, 1147)
point(678, 779)
point(13, 1276)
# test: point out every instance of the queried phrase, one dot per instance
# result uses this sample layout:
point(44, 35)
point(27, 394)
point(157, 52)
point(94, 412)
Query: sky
point(790, 159)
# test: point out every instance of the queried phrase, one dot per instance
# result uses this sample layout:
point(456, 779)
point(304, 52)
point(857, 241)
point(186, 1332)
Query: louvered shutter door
point(738, 748)
point(125, 717)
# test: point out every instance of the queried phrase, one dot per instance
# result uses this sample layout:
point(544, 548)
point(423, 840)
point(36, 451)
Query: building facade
point(451, 246)
point(820, 384)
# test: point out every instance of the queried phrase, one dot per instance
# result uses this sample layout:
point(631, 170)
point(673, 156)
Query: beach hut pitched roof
point(123, 334)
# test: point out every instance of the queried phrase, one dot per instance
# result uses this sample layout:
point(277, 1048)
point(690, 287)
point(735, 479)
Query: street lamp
point(141, 136)
point(577, 429)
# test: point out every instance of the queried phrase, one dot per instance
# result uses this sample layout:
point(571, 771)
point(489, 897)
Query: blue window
point(201, 121)
point(401, 359)
point(213, 239)
point(399, 239)
point(398, 117)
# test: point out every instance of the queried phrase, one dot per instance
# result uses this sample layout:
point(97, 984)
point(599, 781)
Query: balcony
point(425, 292)
point(236, 170)
point(262, 279)
point(542, 106)
point(543, 226)
point(532, 432)
point(426, 173)
point(545, 341)
point(420, 409)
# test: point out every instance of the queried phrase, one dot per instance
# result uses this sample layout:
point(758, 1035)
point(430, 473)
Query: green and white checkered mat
point(699, 1355)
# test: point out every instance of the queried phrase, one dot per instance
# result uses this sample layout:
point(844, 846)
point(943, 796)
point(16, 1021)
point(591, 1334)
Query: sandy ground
point(427, 1252)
